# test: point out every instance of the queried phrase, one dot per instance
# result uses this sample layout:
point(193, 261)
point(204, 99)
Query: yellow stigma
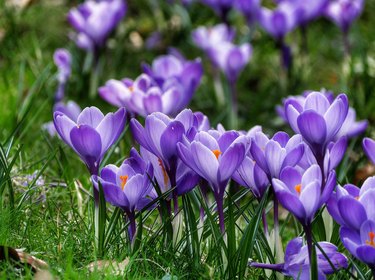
point(131, 88)
point(298, 188)
point(123, 179)
point(371, 236)
point(165, 175)
point(217, 153)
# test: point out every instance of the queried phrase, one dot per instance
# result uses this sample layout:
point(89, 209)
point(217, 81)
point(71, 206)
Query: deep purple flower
point(221, 7)
point(273, 155)
point(127, 186)
point(94, 21)
point(208, 37)
point(230, 58)
point(318, 120)
point(296, 262)
point(369, 148)
point(215, 160)
point(350, 127)
point(303, 194)
point(344, 12)
point(91, 135)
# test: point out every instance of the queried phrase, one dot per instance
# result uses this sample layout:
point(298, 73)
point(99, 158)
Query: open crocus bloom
point(272, 155)
point(353, 209)
point(94, 21)
point(297, 264)
point(91, 135)
point(318, 120)
point(303, 195)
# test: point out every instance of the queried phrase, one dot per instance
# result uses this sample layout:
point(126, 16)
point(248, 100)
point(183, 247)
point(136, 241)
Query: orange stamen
point(371, 236)
point(123, 179)
point(217, 153)
point(131, 88)
point(357, 197)
point(165, 175)
point(298, 188)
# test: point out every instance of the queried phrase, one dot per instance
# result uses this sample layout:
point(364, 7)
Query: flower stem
point(132, 226)
point(234, 107)
point(265, 224)
point(220, 212)
point(308, 234)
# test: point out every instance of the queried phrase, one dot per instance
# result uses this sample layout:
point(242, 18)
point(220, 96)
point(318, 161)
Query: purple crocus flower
point(344, 12)
point(94, 21)
point(303, 194)
point(91, 135)
point(369, 148)
point(250, 175)
point(208, 37)
point(230, 58)
point(273, 155)
point(70, 109)
point(127, 186)
point(249, 8)
point(167, 87)
point(215, 160)
point(63, 61)
point(350, 127)
point(296, 262)
point(353, 209)
point(221, 7)
point(318, 120)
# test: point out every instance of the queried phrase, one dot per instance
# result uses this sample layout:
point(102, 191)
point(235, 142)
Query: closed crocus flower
point(297, 263)
point(94, 21)
point(303, 194)
point(63, 60)
point(249, 8)
point(250, 175)
point(272, 155)
point(207, 37)
point(230, 58)
point(278, 22)
point(91, 135)
point(344, 12)
point(368, 145)
point(306, 11)
point(126, 187)
point(215, 160)
point(318, 120)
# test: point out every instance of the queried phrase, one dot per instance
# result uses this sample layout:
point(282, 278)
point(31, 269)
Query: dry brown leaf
point(363, 173)
point(35, 263)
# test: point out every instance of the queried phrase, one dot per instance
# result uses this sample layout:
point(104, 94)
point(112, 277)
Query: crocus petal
point(368, 202)
point(91, 116)
point(366, 254)
point(110, 128)
point(134, 189)
point(258, 156)
point(328, 188)
point(312, 126)
point(312, 174)
point(369, 184)
point(109, 173)
point(294, 156)
point(230, 160)
point(170, 137)
point(281, 137)
point(292, 204)
point(154, 129)
point(275, 156)
point(351, 239)
point(152, 103)
point(206, 161)
point(139, 133)
point(369, 148)
point(114, 195)
point(310, 198)
point(336, 115)
point(226, 139)
point(352, 212)
point(64, 126)
point(291, 177)
point(367, 227)
point(317, 102)
point(87, 142)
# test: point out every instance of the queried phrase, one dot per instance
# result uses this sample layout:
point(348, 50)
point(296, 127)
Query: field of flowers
point(192, 139)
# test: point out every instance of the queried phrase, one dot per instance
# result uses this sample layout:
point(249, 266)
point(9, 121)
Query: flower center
point(357, 197)
point(123, 179)
point(131, 89)
point(165, 175)
point(217, 153)
point(371, 236)
point(298, 188)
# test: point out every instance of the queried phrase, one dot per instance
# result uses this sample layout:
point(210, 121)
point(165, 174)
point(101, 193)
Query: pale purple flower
point(344, 12)
point(208, 37)
point(63, 61)
point(221, 7)
point(91, 135)
point(368, 145)
point(249, 8)
point(94, 21)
